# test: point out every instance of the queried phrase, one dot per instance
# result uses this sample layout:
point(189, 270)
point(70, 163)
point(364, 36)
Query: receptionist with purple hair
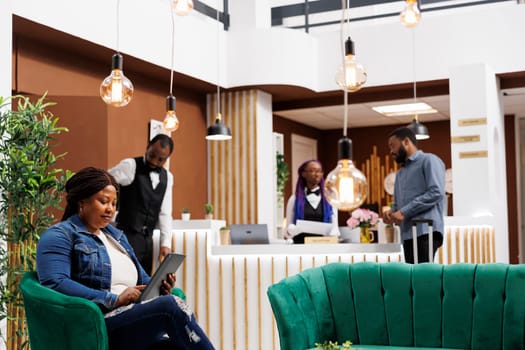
point(309, 202)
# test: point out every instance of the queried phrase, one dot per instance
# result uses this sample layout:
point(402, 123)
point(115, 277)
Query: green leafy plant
point(282, 173)
point(185, 210)
point(330, 345)
point(30, 185)
point(208, 208)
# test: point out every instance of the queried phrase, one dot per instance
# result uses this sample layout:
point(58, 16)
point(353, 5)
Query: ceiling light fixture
point(419, 129)
point(411, 14)
point(116, 89)
point(352, 75)
point(171, 122)
point(345, 186)
point(182, 7)
point(218, 131)
point(405, 109)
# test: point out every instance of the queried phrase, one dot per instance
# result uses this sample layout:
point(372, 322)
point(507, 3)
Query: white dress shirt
point(315, 201)
point(124, 173)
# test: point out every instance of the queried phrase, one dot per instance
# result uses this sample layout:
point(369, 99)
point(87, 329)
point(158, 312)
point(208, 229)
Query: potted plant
point(185, 216)
point(224, 235)
point(29, 185)
point(208, 209)
point(283, 173)
point(389, 228)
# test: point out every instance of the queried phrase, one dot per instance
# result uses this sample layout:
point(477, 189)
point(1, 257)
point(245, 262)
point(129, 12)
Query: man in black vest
point(145, 199)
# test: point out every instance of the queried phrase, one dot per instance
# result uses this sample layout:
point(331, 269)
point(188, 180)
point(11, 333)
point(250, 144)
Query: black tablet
point(170, 264)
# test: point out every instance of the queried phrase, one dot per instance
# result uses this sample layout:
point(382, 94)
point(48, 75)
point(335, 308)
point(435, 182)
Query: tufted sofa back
point(461, 306)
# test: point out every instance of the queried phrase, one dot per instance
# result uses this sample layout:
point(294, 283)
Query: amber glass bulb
point(171, 122)
point(182, 7)
point(411, 15)
point(116, 89)
point(345, 186)
point(352, 75)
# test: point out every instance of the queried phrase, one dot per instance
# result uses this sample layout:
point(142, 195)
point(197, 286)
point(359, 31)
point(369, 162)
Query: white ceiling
point(362, 114)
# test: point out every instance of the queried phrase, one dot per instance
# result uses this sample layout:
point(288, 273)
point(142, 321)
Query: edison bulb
point(352, 76)
point(182, 7)
point(116, 89)
point(411, 15)
point(345, 186)
point(171, 122)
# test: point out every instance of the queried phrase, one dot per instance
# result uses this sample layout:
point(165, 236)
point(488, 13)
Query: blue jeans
point(158, 320)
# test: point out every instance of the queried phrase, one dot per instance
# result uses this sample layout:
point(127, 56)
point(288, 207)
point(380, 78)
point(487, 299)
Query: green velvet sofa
point(398, 306)
point(60, 322)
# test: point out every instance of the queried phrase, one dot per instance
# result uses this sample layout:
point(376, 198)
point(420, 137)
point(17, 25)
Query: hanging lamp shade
point(345, 186)
point(352, 75)
point(419, 129)
point(171, 122)
point(218, 131)
point(116, 89)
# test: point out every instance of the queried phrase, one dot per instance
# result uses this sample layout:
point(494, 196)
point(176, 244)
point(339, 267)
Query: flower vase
point(366, 235)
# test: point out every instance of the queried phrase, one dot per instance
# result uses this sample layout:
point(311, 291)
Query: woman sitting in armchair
point(85, 256)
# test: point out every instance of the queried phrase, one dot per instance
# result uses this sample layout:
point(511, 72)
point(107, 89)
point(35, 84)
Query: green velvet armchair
point(382, 305)
point(60, 322)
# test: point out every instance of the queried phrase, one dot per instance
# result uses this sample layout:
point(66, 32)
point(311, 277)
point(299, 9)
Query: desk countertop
point(305, 249)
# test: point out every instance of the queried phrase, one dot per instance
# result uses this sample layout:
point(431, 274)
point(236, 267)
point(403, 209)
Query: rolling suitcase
point(430, 238)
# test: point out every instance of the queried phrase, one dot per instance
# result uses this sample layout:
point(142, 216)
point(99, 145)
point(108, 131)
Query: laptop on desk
point(249, 234)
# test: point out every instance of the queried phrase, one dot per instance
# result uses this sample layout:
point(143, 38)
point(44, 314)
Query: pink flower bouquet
point(362, 218)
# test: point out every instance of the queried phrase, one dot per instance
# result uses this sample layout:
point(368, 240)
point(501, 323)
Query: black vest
point(139, 203)
point(313, 214)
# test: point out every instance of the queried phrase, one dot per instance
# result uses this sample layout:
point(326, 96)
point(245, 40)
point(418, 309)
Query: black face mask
point(401, 155)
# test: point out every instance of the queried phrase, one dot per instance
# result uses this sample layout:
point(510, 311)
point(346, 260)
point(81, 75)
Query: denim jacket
point(73, 261)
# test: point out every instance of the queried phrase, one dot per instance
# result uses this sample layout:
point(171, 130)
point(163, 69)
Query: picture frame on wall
point(156, 127)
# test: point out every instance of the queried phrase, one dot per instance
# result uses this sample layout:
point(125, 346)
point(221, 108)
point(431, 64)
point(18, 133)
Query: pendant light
point(116, 89)
point(218, 131)
point(171, 122)
point(352, 75)
point(345, 186)
point(410, 15)
point(182, 7)
point(419, 129)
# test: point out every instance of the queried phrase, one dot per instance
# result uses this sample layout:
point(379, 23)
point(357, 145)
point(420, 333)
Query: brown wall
point(363, 141)
point(101, 135)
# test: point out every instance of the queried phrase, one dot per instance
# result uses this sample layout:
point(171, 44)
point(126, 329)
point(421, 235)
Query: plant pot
point(185, 216)
point(208, 216)
point(389, 234)
point(225, 238)
point(366, 235)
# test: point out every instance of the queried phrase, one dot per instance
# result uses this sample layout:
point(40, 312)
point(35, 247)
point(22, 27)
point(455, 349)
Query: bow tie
point(155, 170)
point(316, 192)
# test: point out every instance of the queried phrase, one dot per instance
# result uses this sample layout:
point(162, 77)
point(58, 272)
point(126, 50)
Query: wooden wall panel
point(232, 165)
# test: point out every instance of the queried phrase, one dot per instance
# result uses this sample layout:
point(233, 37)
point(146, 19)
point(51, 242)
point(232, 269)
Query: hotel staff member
point(309, 202)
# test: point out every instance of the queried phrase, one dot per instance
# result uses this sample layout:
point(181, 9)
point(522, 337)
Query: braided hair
point(84, 184)
point(300, 196)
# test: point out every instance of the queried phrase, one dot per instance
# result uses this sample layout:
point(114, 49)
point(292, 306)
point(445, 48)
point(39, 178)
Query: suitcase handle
point(416, 221)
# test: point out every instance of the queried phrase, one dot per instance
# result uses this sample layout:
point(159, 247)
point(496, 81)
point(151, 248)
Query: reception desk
point(226, 284)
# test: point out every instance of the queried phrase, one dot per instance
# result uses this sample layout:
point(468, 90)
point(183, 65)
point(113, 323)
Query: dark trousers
point(422, 247)
point(159, 323)
point(142, 244)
